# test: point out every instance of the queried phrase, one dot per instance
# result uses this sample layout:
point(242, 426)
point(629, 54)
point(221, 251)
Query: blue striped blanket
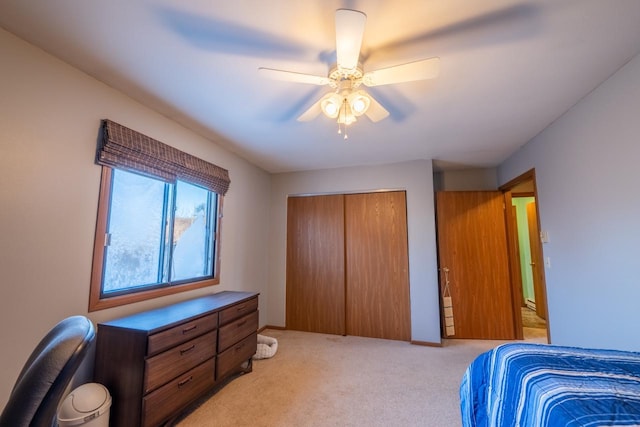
point(522, 384)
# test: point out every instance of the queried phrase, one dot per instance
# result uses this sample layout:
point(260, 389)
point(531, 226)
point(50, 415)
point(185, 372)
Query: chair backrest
point(47, 373)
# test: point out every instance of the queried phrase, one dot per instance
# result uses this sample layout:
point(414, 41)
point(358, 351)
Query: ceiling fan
point(347, 101)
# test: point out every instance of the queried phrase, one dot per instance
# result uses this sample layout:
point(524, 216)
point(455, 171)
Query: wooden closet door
point(315, 264)
point(377, 266)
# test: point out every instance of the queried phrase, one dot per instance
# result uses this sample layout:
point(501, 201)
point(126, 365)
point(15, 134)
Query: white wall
point(466, 180)
point(417, 179)
point(587, 175)
point(49, 119)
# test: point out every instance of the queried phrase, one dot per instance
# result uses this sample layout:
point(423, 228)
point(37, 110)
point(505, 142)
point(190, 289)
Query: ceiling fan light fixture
point(359, 102)
point(331, 104)
point(346, 116)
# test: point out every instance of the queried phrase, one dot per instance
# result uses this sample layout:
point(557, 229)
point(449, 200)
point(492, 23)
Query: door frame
point(507, 188)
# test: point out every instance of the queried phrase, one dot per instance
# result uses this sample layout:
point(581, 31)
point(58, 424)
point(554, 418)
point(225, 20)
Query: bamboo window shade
point(125, 148)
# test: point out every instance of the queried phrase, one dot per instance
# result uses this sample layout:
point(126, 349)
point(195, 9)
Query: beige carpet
point(531, 320)
point(329, 380)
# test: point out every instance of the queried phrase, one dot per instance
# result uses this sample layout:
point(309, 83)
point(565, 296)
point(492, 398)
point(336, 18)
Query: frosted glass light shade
point(359, 102)
point(330, 105)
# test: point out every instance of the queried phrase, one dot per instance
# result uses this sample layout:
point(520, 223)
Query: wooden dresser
point(157, 362)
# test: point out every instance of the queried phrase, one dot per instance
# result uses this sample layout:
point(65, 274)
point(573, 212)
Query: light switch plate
point(544, 236)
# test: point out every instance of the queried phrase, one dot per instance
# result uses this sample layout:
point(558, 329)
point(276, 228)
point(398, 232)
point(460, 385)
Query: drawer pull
point(185, 381)
point(187, 350)
point(241, 323)
point(189, 329)
point(239, 347)
point(242, 307)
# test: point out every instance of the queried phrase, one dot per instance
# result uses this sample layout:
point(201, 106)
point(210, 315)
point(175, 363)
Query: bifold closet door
point(377, 274)
point(315, 264)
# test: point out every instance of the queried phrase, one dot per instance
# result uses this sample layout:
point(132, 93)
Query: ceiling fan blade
point(515, 22)
point(221, 35)
point(412, 71)
point(349, 32)
point(375, 112)
point(291, 76)
point(313, 112)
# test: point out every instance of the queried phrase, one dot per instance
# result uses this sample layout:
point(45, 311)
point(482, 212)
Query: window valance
point(125, 148)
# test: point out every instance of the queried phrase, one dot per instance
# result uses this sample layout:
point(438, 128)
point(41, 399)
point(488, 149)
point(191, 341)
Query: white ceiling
point(508, 69)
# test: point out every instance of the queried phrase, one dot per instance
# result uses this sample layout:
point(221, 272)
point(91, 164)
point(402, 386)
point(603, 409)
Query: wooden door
point(377, 274)
point(536, 261)
point(315, 264)
point(472, 244)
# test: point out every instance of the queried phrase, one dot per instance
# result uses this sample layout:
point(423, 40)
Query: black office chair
point(47, 373)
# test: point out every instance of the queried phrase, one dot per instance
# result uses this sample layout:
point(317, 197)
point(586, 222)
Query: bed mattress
point(523, 384)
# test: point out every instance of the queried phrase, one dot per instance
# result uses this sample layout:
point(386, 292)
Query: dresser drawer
point(179, 334)
point(237, 330)
point(234, 356)
point(238, 310)
point(173, 362)
point(173, 397)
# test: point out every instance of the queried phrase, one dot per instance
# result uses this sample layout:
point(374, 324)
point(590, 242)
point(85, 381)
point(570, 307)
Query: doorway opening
point(525, 253)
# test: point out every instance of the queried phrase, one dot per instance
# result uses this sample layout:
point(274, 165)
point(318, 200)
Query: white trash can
point(87, 405)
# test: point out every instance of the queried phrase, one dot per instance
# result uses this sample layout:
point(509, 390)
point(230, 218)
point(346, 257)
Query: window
point(159, 238)
point(158, 224)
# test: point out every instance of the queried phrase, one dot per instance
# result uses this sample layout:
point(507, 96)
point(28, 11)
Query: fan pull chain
point(346, 136)
point(344, 110)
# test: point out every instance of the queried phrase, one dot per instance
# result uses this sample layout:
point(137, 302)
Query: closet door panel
point(377, 275)
point(315, 264)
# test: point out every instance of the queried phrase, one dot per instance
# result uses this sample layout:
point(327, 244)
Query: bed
point(524, 384)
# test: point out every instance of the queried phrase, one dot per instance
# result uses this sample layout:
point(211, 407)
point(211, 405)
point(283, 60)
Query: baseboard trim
point(278, 328)
point(412, 342)
point(426, 343)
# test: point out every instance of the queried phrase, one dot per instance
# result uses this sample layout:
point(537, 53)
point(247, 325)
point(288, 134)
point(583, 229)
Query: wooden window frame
point(96, 302)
